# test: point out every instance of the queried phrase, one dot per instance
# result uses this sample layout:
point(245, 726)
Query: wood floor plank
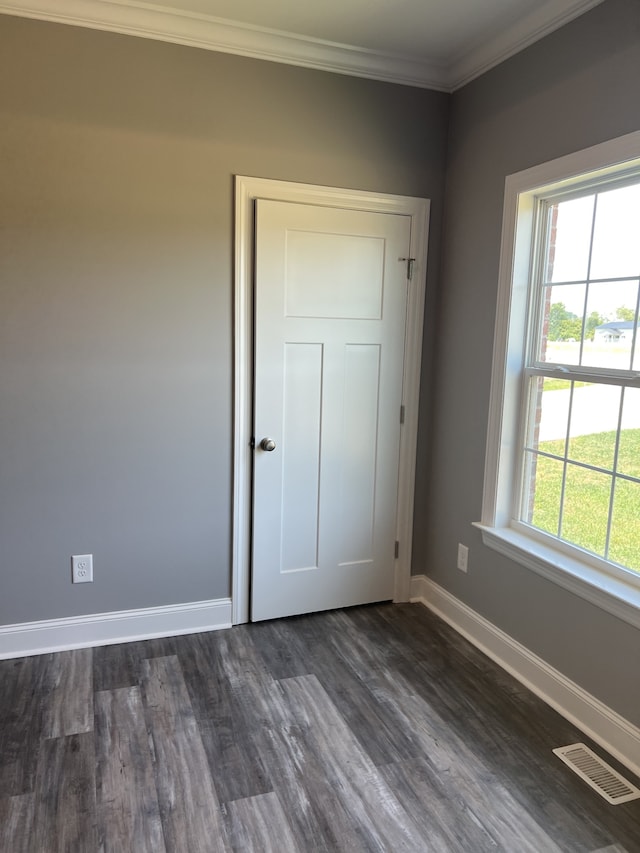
point(321, 818)
point(68, 708)
point(429, 800)
point(512, 731)
point(515, 731)
point(375, 811)
point(259, 825)
point(226, 721)
point(318, 818)
point(16, 822)
point(305, 642)
point(127, 802)
point(189, 807)
point(451, 755)
point(64, 817)
point(120, 665)
point(282, 647)
point(21, 700)
point(116, 666)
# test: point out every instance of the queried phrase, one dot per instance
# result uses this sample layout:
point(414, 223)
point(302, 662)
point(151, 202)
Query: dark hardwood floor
point(369, 729)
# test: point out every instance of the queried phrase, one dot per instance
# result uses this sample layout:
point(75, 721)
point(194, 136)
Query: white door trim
point(247, 190)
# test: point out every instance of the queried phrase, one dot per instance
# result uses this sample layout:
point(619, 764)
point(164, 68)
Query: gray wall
point(116, 203)
point(575, 88)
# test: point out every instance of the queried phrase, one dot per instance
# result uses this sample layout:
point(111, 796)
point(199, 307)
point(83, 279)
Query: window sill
point(609, 593)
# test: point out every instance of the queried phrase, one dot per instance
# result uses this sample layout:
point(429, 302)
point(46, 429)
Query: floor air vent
point(597, 773)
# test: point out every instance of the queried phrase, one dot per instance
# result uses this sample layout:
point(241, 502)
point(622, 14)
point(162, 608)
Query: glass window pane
point(624, 541)
point(616, 248)
point(610, 324)
point(548, 414)
point(582, 438)
point(595, 411)
point(570, 225)
point(542, 492)
point(563, 310)
point(585, 510)
point(629, 449)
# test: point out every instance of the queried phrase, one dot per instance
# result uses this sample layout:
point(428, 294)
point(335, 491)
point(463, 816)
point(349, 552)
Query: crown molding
point(162, 23)
point(165, 24)
point(535, 25)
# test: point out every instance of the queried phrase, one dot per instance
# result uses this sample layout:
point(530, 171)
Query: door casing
point(247, 190)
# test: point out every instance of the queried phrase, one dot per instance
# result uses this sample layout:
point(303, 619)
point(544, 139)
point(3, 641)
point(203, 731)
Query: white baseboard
point(616, 735)
point(104, 629)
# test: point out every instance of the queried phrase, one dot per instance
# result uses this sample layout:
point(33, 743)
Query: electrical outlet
point(463, 557)
point(82, 568)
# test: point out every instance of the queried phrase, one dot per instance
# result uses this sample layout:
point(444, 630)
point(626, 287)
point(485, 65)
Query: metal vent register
point(597, 773)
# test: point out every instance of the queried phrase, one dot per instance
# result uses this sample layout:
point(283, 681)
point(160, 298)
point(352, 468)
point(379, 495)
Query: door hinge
point(410, 263)
point(396, 551)
point(401, 414)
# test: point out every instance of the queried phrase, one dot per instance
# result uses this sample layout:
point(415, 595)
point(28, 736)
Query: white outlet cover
point(82, 568)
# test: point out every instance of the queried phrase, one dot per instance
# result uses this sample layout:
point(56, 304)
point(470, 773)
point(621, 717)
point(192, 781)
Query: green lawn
point(587, 495)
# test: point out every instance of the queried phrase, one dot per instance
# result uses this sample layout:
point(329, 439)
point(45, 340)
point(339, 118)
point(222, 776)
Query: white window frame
point(617, 592)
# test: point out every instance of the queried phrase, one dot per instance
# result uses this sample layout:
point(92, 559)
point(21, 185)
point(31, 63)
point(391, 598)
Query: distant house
point(617, 331)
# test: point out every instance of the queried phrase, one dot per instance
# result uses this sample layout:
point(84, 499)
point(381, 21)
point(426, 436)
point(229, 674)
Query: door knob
point(268, 444)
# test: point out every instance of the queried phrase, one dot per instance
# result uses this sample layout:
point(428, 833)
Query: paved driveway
point(595, 409)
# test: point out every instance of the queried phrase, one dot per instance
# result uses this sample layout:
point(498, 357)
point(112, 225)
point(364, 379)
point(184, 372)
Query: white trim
point(540, 21)
point(605, 160)
point(104, 629)
point(247, 190)
point(616, 735)
point(605, 591)
point(513, 277)
point(164, 23)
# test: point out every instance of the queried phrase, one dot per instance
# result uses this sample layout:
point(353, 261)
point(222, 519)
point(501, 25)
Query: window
point(562, 478)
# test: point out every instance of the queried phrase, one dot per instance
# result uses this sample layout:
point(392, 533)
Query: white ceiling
point(438, 44)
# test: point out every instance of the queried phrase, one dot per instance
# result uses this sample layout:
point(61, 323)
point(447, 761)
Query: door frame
point(247, 190)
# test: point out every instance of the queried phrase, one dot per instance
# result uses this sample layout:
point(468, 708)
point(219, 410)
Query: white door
point(330, 316)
